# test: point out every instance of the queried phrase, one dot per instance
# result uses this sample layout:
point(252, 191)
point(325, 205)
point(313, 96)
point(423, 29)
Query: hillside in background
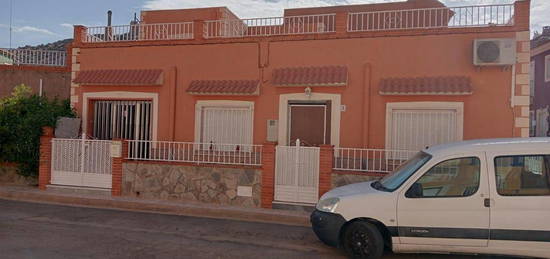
point(58, 45)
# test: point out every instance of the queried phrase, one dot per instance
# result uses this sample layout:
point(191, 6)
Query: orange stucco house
point(393, 76)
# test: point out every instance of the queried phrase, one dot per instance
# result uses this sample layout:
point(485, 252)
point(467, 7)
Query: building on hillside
point(47, 72)
point(540, 82)
point(380, 77)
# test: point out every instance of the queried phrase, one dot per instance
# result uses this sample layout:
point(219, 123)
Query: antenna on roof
point(11, 18)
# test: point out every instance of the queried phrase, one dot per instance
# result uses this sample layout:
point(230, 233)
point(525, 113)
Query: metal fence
point(289, 25)
point(464, 16)
point(33, 57)
point(81, 162)
point(369, 160)
point(200, 153)
point(139, 32)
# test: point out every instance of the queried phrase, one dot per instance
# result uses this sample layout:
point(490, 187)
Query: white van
point(475, 197)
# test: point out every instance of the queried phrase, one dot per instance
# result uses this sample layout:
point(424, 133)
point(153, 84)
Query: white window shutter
point(226, 125)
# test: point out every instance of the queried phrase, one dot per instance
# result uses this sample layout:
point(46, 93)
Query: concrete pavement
point(36, 230)
point(31, 230)
point(101, 200)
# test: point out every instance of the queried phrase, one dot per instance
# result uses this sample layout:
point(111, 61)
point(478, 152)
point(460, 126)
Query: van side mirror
point(416, 191)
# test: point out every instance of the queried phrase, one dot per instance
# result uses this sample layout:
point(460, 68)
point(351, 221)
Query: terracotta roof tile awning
point(311, 76)
point(451, 85)
point(120, 77)
point(224, 87)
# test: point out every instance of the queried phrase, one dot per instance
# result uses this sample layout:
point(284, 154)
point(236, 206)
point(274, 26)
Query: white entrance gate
point(297, 174)
point(81, 162)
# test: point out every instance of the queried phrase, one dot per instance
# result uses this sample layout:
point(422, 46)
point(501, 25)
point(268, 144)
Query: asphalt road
point(30, 230)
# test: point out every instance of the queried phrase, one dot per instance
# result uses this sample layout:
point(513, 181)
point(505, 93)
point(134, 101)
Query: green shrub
point(22, 116)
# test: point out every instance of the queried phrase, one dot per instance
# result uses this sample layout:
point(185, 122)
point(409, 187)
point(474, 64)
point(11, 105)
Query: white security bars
point(230, 125)
point(369, 160)
point(33, 57)
point(122, 120)
point(140, 32)
point(452, 17)
point(290, 25)
point(200, 153)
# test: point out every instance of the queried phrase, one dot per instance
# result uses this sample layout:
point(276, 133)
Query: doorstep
point(196, 209)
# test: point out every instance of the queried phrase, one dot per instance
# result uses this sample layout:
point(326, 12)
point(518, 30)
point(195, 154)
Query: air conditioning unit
point(494, 52)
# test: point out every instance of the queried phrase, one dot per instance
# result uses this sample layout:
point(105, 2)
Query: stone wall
point(9, 175)
point(339, 179)
point(228, 186)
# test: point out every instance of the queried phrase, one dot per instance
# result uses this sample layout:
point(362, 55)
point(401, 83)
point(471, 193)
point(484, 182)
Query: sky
point(43, 21)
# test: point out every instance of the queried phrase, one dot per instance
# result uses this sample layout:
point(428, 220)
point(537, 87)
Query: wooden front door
point(309, 122)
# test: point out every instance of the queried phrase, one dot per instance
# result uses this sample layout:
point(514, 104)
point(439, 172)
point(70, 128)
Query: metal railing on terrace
point(139, 32)
point(369, 160)
point(33, 57)
point(428, 18)
point(199, 153)
point(271, 26)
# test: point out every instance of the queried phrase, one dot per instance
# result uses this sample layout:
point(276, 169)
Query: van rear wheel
point(363, 240)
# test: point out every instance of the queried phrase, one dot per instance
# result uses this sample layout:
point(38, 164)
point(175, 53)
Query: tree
point(22, 116)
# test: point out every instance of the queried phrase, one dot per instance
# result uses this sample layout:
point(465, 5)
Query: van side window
point(527, 175)
point(451, 178)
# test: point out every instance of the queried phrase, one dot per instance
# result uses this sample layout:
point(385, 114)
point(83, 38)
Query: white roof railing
point(33, 57)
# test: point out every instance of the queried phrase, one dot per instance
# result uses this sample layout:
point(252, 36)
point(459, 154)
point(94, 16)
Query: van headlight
point(328, 205)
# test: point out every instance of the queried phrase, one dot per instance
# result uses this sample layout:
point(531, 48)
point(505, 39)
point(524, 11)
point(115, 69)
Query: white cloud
point(266, 8)
point(66, 25)
point(23, 29)
point(33, 29)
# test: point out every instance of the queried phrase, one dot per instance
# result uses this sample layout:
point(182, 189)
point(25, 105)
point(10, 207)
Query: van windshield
point(395, 179)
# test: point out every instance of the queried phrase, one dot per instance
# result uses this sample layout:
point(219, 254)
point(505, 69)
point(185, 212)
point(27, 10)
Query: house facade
point(378, 78)
point(540, 81)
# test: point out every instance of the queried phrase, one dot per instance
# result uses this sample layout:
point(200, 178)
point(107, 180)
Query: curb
point(163, 207)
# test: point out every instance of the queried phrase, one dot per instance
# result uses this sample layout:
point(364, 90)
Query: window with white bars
point(417, 128)
point(122, 120)
point(226, 124)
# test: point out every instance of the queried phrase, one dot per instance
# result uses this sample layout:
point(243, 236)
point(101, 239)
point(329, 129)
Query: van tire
point(363, 240)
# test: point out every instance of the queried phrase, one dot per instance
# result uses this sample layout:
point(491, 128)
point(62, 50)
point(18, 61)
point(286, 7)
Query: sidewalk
point(32, 194)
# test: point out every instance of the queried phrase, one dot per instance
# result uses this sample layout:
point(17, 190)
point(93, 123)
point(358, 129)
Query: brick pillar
point(198, 29)
point(79, 33)
point(116, 189)
point(522, 11)
point(268, 174)
point(45, 164)
point(341, 21)
point(325, 168)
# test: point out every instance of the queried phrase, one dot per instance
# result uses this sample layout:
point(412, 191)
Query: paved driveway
point(29, 230)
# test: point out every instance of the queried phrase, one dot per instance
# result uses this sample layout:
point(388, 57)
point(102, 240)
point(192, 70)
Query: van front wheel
point(363, 240)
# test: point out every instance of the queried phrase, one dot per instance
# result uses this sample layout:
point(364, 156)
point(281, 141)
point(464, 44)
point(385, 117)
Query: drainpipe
point(512, 102)
point(513, 93)
point(366, 105)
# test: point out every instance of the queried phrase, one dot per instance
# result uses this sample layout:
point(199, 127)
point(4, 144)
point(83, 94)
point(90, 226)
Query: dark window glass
point(526, 175)
point(451, 178)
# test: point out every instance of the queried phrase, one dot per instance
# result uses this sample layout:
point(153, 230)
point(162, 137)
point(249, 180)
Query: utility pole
point(11, 19)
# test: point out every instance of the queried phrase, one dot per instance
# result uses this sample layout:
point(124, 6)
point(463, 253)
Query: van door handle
point(487, 203)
